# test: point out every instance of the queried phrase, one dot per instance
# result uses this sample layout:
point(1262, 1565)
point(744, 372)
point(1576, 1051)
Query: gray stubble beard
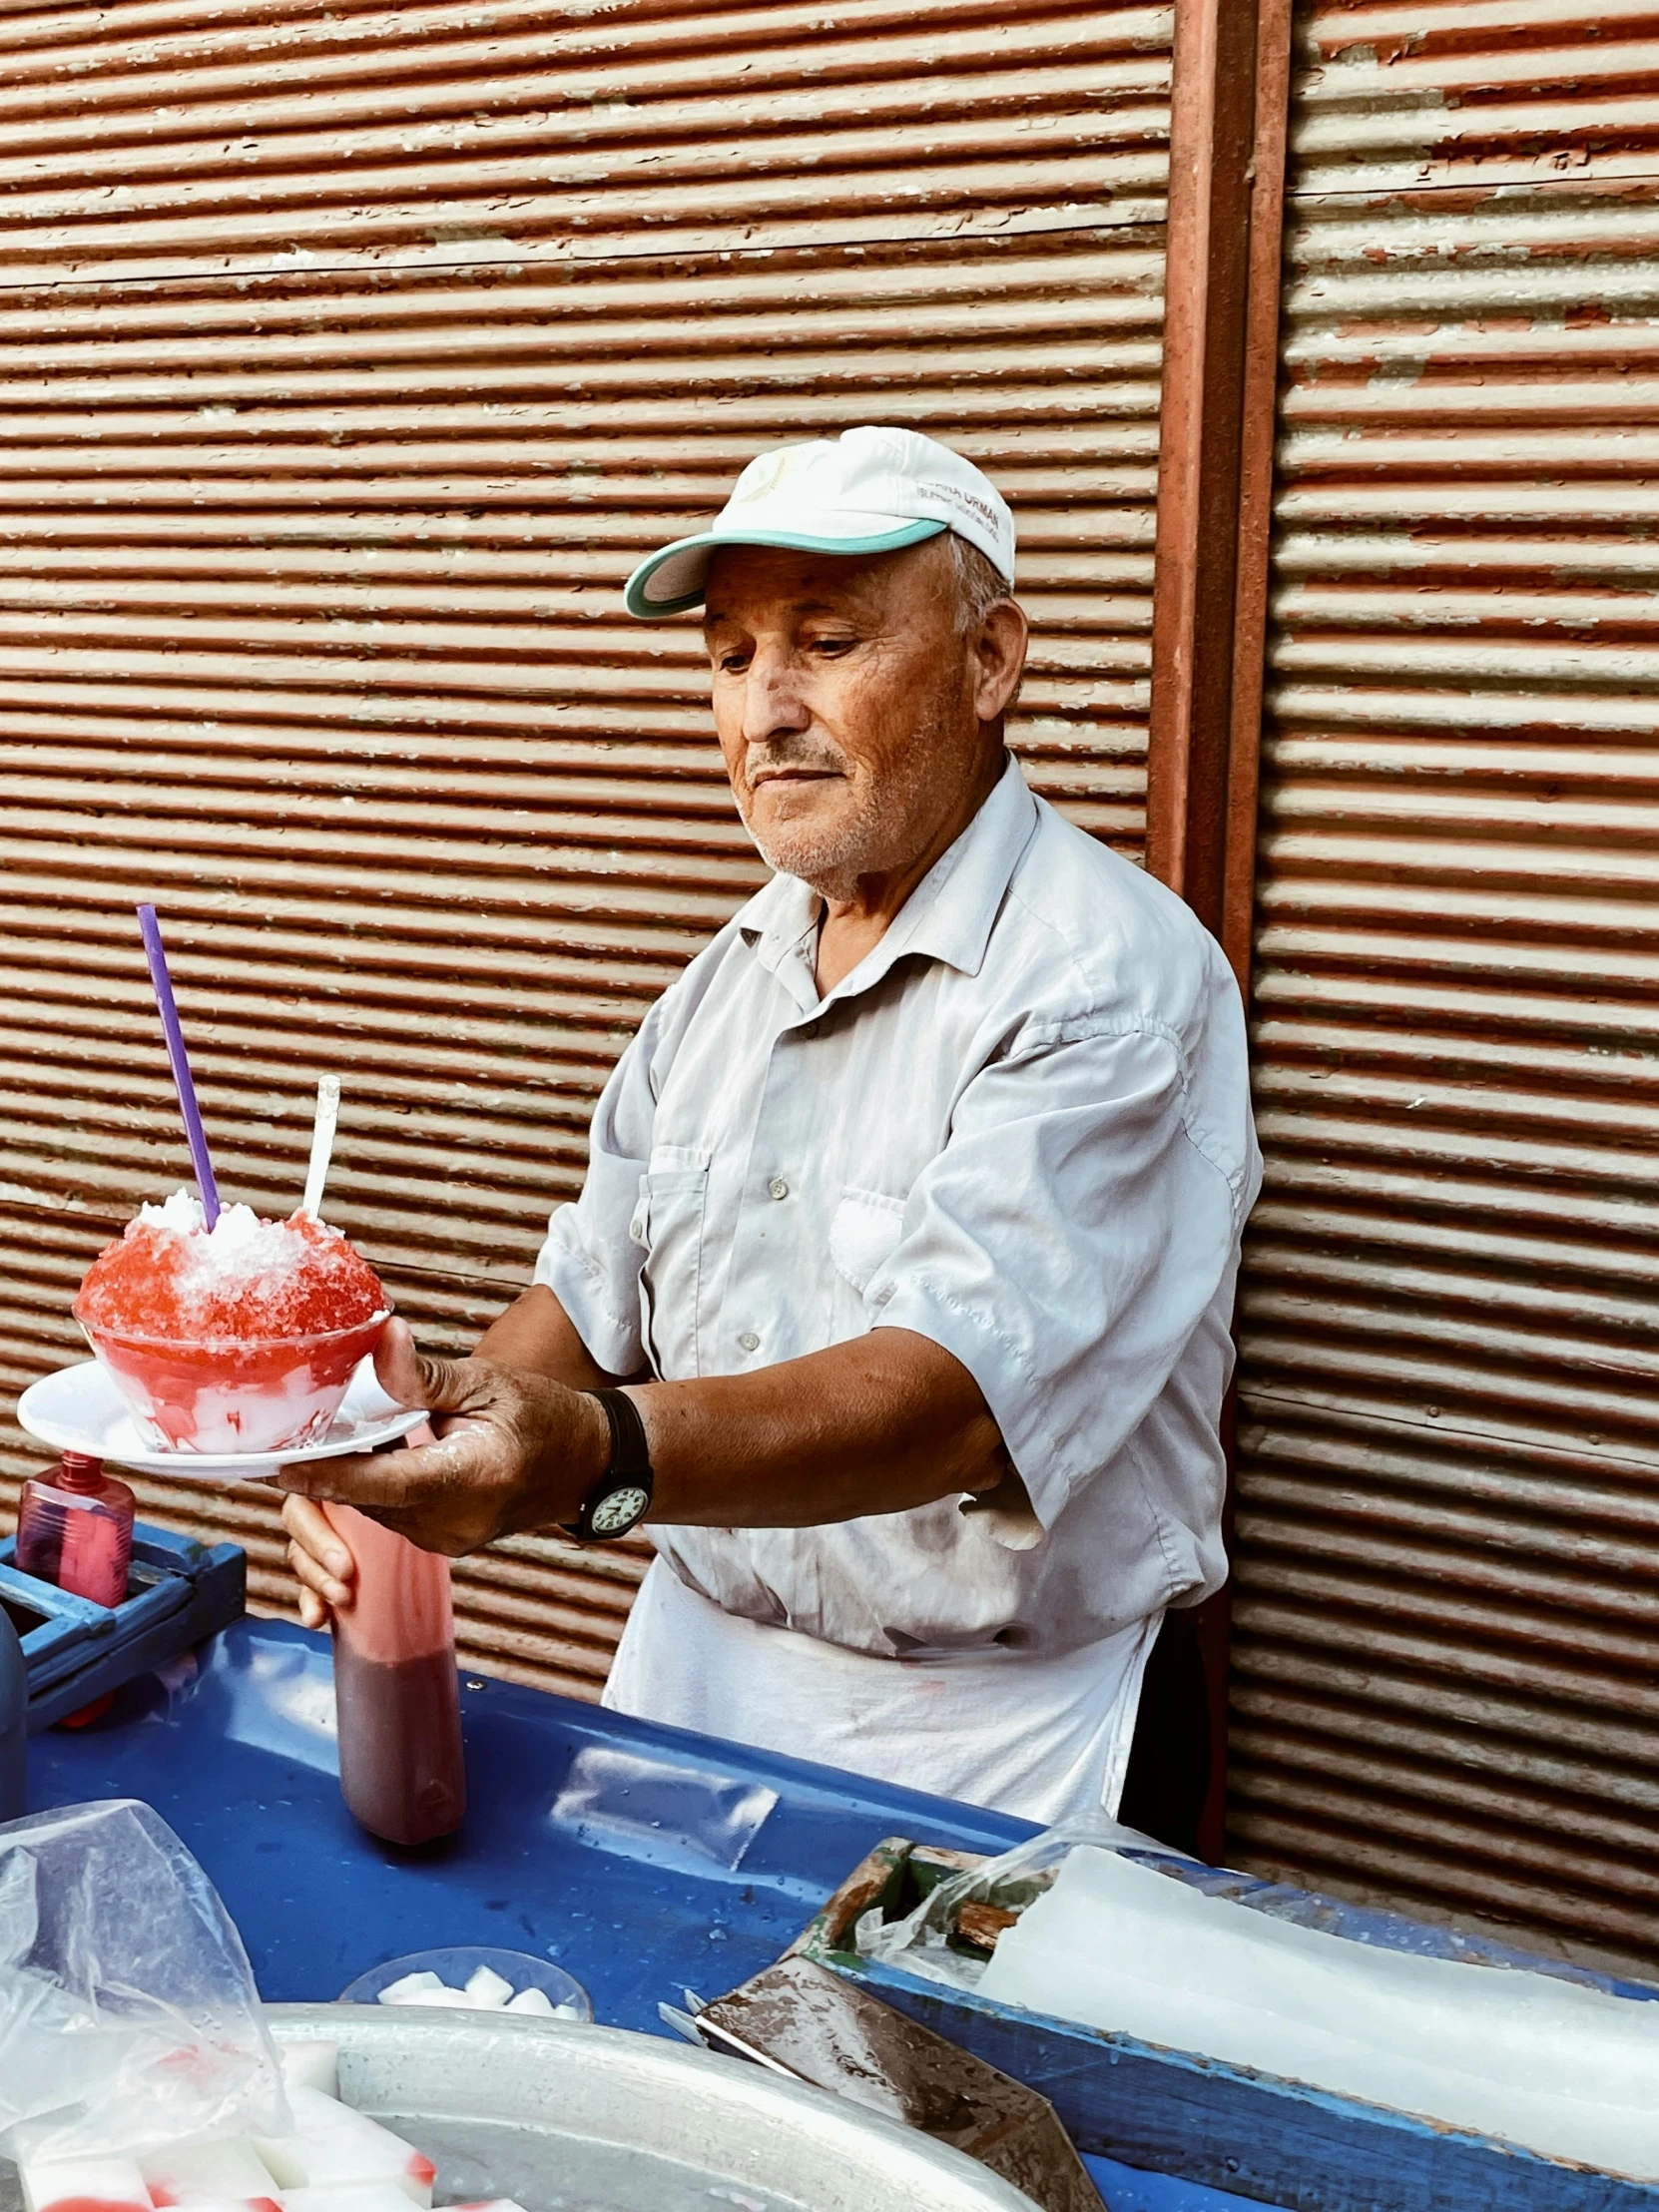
point(832, 864)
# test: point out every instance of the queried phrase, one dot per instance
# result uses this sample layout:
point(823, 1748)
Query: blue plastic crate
point(178, 1592)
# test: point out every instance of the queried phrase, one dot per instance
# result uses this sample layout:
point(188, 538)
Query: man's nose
point(773, 702)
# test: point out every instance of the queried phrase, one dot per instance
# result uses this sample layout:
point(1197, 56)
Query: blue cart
point(646, 1861)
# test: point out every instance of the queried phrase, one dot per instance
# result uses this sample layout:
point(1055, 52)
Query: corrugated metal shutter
point(1447, 1652)
point(348, 359)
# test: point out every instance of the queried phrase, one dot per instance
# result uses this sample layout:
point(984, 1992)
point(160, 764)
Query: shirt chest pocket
point(865, 1230)
point(668, 1221)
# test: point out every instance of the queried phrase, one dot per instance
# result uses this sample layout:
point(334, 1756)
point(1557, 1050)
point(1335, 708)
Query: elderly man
point(897, 1300)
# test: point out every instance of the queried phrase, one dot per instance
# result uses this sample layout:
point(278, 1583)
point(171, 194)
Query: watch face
point(617, 1511)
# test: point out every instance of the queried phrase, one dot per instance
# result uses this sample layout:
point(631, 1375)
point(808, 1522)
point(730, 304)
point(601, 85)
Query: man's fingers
point(311, 1529)
point(390, 1481)
point(312, 1612)
point(441, 1386)
point(316, 1584)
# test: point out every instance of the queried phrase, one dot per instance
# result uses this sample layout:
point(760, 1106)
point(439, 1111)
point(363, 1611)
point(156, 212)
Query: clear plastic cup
point(235, 1394)
point(456, 1964)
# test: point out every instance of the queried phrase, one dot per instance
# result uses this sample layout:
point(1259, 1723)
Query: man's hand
point(513, 1450)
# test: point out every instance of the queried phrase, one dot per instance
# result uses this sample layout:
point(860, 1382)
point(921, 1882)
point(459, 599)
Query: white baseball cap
point(871, 490)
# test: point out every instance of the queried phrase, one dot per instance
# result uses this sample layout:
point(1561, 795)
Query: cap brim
point(676, 578)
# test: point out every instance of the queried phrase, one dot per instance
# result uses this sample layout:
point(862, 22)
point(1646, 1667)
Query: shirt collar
point(949, 916)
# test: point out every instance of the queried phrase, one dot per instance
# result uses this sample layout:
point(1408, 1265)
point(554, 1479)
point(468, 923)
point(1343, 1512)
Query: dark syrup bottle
point(401, 1768)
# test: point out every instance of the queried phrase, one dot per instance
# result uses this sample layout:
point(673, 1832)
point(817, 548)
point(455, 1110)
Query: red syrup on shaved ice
point(239, 1339)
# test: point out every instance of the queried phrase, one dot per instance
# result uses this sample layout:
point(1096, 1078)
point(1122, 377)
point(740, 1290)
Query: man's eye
point(832, 647)
point(732, 664)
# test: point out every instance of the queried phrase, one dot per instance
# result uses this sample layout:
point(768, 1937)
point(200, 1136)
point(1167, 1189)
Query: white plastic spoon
point(323, 1144)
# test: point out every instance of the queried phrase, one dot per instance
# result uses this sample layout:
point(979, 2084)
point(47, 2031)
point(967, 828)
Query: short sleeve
point(1065, 1245)
point(590, 1261)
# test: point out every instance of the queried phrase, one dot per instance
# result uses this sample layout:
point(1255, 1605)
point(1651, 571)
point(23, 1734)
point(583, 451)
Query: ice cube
point(312, 2065)
point(487, 1990)
point(63, 2181)
point(240, 2204)
point(363, 2196)
point(406, 1989)
point(226, 2172)
point(335, 2147)
point(531, 2000)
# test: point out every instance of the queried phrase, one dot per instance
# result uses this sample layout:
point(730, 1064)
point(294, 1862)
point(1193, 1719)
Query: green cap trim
point(649, 609)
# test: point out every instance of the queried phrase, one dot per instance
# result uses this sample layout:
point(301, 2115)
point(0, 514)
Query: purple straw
point(151, 929)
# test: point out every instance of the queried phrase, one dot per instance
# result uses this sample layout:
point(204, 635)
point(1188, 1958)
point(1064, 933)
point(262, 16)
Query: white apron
point(1038, 1737)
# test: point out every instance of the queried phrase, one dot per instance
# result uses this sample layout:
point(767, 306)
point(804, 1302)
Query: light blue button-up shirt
point(1021, 1127)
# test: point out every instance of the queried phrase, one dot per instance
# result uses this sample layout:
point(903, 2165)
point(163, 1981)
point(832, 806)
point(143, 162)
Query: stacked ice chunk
point(485, 1991)
point(337, 2159)
point(1567, 2071)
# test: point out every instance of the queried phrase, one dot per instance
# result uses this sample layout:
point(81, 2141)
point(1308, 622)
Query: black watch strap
point(621, 1498)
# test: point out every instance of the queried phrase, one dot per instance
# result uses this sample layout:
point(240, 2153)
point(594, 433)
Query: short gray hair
point(979, 586)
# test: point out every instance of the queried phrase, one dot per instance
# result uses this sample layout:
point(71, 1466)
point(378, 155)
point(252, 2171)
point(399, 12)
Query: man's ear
point(999, 655)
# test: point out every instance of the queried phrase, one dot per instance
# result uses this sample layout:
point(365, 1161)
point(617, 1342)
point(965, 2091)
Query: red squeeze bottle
point(75, 1529)
point(397, 1697)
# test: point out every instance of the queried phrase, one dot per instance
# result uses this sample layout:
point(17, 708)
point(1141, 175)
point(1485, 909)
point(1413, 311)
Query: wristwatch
point(621, 1498)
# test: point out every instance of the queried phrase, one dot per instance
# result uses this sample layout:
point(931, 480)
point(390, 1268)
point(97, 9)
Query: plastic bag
point(920, 1942)
point(1124, 1936)
point(129, 2017)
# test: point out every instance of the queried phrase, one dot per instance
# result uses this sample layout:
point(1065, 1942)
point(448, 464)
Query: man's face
point(847, 704)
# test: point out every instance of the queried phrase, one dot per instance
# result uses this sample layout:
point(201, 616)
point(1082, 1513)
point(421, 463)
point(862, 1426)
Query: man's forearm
point(536, 1335)
point(884, 1422)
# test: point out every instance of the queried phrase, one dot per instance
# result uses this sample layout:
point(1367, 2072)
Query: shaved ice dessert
point(237, 1338)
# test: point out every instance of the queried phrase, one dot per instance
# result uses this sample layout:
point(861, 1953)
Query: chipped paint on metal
point(312, 530)
point(1446, 1657)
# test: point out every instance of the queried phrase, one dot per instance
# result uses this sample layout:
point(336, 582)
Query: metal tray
point(572, 2118)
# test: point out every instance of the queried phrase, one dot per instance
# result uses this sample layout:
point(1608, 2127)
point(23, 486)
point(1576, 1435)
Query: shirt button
point(777, 1188)
point(636, 1230)
point(748, 1340)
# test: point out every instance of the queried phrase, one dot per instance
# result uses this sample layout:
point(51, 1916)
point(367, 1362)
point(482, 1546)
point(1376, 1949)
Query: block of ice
point(363, 2196)
point(534, 2000)
point(65, 2181)
point(240, 2204)
point(1547, 2064)
point(312, 2065)
point(487, 1990)
point(408, 1987)
point(230, 2171)
point(332, 2146)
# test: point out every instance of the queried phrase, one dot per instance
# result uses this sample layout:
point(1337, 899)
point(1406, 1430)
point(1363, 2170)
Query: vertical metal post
point(1229, 114)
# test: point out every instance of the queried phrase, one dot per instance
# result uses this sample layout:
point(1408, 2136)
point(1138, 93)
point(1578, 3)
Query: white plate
point(80, 1410)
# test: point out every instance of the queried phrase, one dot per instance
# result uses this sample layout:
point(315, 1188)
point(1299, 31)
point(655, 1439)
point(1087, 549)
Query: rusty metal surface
point(1230, 111)
point(1503, 92)
point(1212, 135)
point(310, 571)
point(1446, 1655)
point(149, 141)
